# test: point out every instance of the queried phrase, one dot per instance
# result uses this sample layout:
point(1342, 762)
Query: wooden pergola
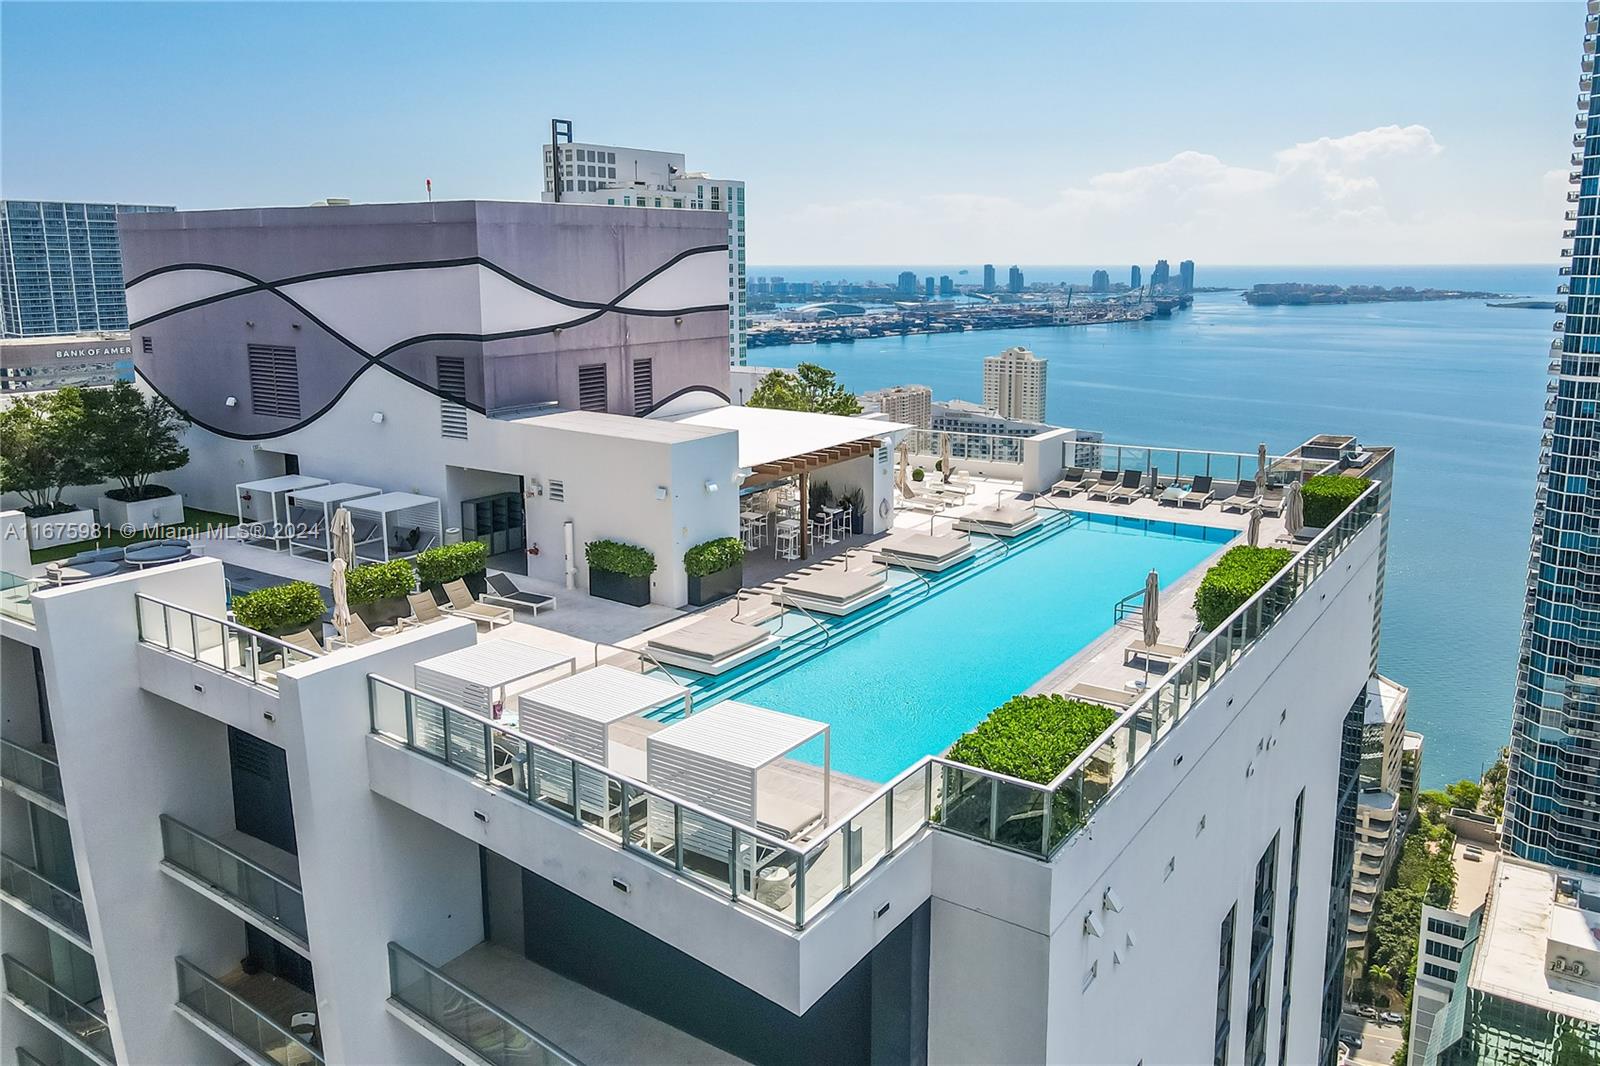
point(803, 466)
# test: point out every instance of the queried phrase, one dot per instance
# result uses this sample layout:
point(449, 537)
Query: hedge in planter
point(466, 561)
point(280, 608)
point(715, 569)
point(1034, 738)
point(1327, 496)
point(1239, 574)
point(619, 572)
point(378, 591)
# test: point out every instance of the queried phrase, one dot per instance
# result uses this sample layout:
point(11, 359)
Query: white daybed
point(394, 525)
point(314, 509)
point(263, 507)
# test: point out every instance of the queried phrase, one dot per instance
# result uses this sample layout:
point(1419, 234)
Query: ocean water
point(975, 644)
point(1457, 387)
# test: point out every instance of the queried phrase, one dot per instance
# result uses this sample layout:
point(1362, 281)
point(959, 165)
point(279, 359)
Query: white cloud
point(1377, 195)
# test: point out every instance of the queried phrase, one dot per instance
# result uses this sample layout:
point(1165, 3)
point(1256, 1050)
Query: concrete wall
point(1178, 844)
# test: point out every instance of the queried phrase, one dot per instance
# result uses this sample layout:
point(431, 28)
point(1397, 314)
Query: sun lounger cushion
point(710, 639)
point(1003, 515)
point(1100, 694)
point(921, 546)
point(784, 817)
point(836, 584)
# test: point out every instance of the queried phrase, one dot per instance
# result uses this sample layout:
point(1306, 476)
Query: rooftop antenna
point(560, 133)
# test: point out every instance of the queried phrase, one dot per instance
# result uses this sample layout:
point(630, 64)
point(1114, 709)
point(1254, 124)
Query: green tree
point(44, 448)
point(1574, 1047)
point(134, 437)
point(809, 388)
point(1464, 793)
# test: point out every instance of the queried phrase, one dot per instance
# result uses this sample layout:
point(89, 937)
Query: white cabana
point(714, 759)
point(313, 510)
point(476, 677)
point(264, 506)
point(395, 525)
point(575, 714)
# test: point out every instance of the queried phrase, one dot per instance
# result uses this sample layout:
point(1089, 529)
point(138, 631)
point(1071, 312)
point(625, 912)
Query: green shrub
point(280, 607)
point(1238, 575)
point(615, 557)
point(380, 581)
point(450, 562)
point(713, 556)
point(918, 474)
point(1327, 496)
point(1033, 737)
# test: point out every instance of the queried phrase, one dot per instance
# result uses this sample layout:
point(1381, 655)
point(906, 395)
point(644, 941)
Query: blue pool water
point(910, 685)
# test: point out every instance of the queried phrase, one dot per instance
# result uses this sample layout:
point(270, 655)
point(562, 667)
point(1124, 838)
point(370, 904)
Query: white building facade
point(1014, 384)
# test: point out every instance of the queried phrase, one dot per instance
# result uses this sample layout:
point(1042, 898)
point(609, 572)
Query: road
point(1379, 1040)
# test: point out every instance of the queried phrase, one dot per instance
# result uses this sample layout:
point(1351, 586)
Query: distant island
point(1296, 294)
point(1529, 305)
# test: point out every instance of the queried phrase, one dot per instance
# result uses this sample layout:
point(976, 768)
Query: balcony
point(1572, 196)
point(1362, 902)
point(54, 906)
point(34, 775)
point(249, 1014)
point(16, 598)
point(459, 1019)
point(79, 1024)
point(270, 900)
point(225, 646)
point(1560, 325)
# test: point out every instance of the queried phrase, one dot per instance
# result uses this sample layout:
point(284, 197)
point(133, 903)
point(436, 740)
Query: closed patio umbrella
point(903, 479)
point(1253, 531)
point(944, 455)
point(1261, 466)
point(342, 537)
point(1152, 600)
point(1294, 510)
point(341, 596)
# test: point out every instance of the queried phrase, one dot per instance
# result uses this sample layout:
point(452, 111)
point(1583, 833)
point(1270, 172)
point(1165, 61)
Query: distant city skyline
point(1373, 150)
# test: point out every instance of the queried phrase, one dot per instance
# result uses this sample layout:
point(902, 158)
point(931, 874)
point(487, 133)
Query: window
point(1449, 929)
point(1447, 952)
point(147, 345)
point(592, 388)
point(1438, 972)
point(1225, 988)
point(1288, 940)
point(1263, 909)
point(274, 380)
point(452, 374)
point(644, 386)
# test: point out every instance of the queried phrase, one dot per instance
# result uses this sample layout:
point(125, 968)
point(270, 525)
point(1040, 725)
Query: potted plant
point(619, 571)
point(1326, 496)
point(918, 474)
point(715, 569)
point(279, 609)
point(378, 591)
point(43, 450)
point(856, 501)
point(134, 437)
point(466, 562)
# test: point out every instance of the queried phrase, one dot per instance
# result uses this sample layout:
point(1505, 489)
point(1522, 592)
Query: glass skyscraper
point(61, 267)
point(1552, 811)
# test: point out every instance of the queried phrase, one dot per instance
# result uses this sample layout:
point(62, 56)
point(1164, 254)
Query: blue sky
point(897, 133)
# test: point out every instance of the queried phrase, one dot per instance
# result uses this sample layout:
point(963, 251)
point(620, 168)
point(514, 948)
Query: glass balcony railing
point(787, 881)
point(28, 886)
point(16, 597)
point(271, 897)
point(465, 1016)
point(27, 1058)
point(227, 646)
point(81, 1026)
point(32, 770)
point(1037, 819)
point(226, 1009)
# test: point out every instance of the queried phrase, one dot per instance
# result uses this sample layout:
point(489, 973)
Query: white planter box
point(144, 514)
point(68, 527)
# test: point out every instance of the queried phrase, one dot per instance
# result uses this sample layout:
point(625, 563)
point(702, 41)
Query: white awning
point(711, 758)
point(767, 436)
point(283, 483)
point(573, 713)
point(475, 677)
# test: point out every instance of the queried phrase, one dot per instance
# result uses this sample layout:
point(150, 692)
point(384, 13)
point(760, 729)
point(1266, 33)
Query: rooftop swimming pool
point(910, 683)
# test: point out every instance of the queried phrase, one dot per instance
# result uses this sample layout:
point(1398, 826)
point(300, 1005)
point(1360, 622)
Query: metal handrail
point(827, 637)
point(643, 653)
point(1126, 606)
point(94, 1041)
point(79, 918)
point(477, 999)
point(24, 755)
point(276, 879)
point(290, 653)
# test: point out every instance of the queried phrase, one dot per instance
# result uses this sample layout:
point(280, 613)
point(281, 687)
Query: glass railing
point(1183, 463)
point(85, 1029)
point(1036, 818)
point(27, 1058)
point(788, 881)
point(272, 898)
point(31, 769)
point(16, 597)
point(31, 887)
point(224, 1008)
point(465, 1016)
point(222, 645)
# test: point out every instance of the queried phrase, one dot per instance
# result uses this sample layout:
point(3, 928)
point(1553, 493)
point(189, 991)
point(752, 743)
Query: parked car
point(1353, 1039)
point(1392, 1017)
point(1368, 1012)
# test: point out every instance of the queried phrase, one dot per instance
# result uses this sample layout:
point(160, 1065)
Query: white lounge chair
point(462, 605)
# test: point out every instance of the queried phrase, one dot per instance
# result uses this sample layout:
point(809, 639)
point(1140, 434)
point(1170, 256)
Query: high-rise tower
point(1553, 788)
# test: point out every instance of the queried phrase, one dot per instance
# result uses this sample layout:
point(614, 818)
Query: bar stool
point(822, 529)
point(788, 539)
point(841, 522)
